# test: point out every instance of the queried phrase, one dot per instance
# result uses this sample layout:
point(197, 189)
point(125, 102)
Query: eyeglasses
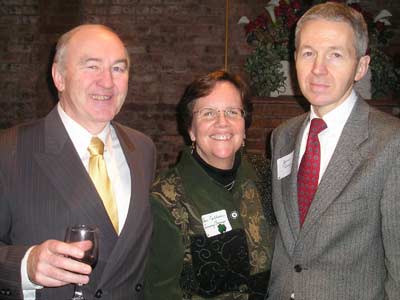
point(210, 114)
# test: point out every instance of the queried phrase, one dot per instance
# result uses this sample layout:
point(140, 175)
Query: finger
point(67, 249)
point(70, 264)
point(83, 245)
point(48, 266)
point(48, 281)
point(59, 275)
point(61, 270)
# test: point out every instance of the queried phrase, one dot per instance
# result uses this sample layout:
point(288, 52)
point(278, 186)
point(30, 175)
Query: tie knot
point(96, 146)
point(317, 125)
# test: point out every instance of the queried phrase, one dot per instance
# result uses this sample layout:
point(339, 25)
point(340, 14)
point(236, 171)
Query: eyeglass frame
point(242, 114)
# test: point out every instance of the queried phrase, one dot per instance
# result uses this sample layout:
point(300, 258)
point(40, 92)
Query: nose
point(221, 118)
point(319, 66)
point(106, 79)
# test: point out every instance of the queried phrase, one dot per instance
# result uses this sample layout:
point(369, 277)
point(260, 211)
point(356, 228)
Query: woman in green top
point(211, 239)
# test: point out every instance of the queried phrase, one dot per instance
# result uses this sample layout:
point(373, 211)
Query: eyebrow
point(123, 60)
point(330, 48)
point(85, 60)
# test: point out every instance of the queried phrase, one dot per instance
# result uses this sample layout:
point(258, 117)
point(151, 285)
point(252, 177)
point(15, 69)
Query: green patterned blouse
point(186, 264)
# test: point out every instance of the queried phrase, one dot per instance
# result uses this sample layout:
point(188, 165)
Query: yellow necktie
point(98, 173)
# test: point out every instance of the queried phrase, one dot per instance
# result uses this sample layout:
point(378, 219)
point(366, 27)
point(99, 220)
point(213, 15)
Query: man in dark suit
point(46, 185)
point(336, 171)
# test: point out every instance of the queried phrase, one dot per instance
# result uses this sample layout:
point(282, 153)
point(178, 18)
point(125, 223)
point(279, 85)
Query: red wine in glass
point(79, 233)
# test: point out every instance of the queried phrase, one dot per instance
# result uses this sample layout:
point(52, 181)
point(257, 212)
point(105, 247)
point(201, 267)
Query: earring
point(192, 147)
point(243, 143)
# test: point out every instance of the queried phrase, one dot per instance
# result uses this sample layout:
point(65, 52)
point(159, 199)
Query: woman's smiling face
point(218, 139)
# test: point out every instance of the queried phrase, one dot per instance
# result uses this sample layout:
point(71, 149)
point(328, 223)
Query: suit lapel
point(64, 169)
point(346, 158)
point(289, 183)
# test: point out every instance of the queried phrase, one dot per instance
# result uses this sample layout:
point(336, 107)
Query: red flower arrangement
point(274, 25)
point(272, 36)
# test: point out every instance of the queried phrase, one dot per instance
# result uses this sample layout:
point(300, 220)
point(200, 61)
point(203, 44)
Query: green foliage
point(265, 70)
point(270, 35)
point(385, 77)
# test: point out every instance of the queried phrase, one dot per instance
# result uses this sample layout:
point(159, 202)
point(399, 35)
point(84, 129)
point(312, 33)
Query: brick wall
point(170, 42)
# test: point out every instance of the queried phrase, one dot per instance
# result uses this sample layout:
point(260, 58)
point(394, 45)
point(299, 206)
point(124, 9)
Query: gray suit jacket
point(349, 245)
point(44, 187)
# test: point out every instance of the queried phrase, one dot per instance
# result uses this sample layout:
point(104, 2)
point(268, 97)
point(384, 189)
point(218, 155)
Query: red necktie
point(307, 177)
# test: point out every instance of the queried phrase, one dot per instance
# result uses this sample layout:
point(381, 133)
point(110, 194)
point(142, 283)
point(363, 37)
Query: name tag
point(216, 223)
point(285, 165)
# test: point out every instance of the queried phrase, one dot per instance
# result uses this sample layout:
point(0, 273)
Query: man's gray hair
point(338, 12)
point(62, 43)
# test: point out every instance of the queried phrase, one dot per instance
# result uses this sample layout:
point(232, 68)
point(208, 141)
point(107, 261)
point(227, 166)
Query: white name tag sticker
point(285, 165)
point(216, 223)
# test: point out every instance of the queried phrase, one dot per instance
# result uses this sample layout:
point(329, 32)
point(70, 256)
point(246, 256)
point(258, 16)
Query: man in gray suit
point(338, 215)
point(45, 185)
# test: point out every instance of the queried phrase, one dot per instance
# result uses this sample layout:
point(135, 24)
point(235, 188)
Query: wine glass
point(79, 233)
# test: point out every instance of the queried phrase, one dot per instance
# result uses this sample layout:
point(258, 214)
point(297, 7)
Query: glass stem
point(78, 293)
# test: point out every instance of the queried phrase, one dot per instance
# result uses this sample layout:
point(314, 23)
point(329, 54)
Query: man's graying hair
point(338, 12)
point(62, 43)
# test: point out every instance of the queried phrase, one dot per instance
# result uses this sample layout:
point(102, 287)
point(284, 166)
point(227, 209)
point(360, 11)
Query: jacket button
point(8, 292)
point(243, 288)
point(138, 287)
point(298, 268)
point(98, 294)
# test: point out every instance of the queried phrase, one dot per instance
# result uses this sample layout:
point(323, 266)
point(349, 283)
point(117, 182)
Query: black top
point(224, 177)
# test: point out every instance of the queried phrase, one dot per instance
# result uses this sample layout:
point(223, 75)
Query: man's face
point(92, 79)
point(326, 63)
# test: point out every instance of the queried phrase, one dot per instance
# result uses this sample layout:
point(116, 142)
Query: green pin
point(221, 228)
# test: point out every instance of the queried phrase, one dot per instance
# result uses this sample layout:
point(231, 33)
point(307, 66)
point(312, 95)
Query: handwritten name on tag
point(216, 223)
point(285, 165)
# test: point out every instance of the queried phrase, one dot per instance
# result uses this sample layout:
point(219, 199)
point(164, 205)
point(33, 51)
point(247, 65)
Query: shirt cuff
point(26, 284)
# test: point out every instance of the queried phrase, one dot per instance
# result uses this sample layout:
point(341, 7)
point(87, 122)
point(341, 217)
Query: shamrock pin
point(221, 228)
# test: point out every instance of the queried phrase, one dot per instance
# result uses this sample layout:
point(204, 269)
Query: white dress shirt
point(117, 169)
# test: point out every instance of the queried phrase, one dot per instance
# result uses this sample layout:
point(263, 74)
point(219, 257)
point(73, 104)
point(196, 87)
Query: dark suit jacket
point(349, 245)
point(44, 187)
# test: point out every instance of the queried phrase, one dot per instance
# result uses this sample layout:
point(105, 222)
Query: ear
point(58, 77)
point(362, 67)
point(191, 135)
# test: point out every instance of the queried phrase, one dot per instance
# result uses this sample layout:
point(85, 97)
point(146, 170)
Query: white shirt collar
point(336, 118)
point(79, 135)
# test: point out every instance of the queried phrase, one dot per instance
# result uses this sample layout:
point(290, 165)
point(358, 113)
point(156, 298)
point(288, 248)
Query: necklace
point(230, 185)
